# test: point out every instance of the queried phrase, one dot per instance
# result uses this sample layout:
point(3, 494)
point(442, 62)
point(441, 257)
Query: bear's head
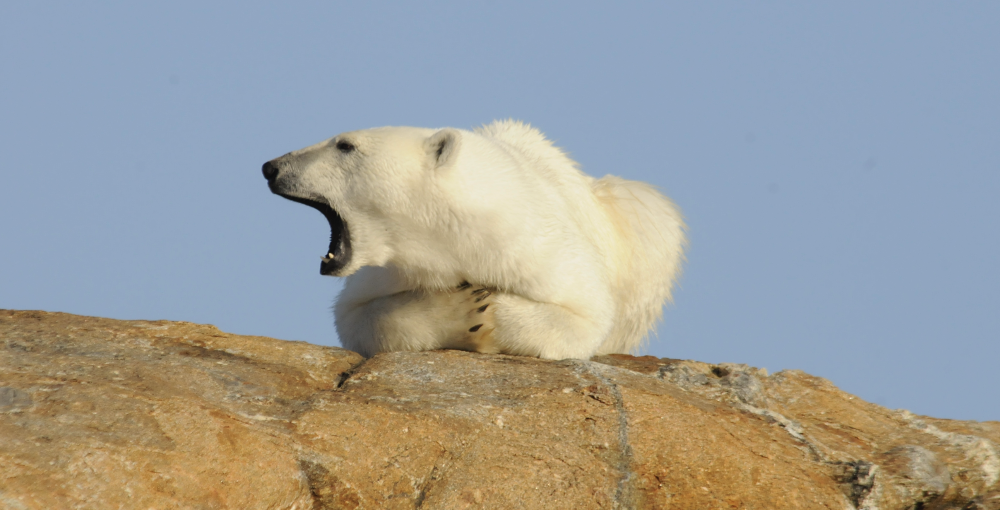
point(379, 189)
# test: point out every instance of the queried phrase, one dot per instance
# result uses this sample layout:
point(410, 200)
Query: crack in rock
point(624, 497)
point(345, 375)
point(859, 478)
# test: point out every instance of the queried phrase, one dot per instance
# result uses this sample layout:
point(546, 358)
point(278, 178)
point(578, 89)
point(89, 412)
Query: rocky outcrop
point(98, 413)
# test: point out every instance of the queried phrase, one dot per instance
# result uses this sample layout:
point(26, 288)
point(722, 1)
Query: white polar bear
point(489, 240)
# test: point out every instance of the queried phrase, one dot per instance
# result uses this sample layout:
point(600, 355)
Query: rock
point(918, 474)
point(99, 413)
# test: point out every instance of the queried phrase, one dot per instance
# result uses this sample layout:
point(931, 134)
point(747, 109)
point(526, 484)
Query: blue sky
point(837, 163)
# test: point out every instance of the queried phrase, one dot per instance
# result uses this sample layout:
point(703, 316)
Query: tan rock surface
point(98, 413)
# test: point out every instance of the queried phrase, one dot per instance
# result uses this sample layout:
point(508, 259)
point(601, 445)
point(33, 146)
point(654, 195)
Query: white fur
point(578, 266)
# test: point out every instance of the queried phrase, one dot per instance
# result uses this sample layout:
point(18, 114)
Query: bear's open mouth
point(339, 252)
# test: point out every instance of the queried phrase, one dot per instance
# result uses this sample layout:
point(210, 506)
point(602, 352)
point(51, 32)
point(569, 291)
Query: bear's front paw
point(477, 334)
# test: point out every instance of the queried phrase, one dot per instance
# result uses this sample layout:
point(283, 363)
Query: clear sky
point(838, 163)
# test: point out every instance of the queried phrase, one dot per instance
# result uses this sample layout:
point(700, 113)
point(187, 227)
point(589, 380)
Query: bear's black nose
point(270, 171)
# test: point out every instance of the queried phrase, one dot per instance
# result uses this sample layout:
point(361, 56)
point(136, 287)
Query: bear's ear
point(442, 147)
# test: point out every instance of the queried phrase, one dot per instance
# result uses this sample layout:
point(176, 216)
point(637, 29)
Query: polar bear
point(489, 240)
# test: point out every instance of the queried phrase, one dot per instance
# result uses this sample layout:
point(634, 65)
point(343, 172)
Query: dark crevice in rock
point(302, 407)
point(345, 375)
point(437, 474)
point(424, 487)
point(858, 478)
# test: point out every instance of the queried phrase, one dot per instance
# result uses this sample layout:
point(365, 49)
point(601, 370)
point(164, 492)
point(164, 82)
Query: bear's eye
point(345, 147)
